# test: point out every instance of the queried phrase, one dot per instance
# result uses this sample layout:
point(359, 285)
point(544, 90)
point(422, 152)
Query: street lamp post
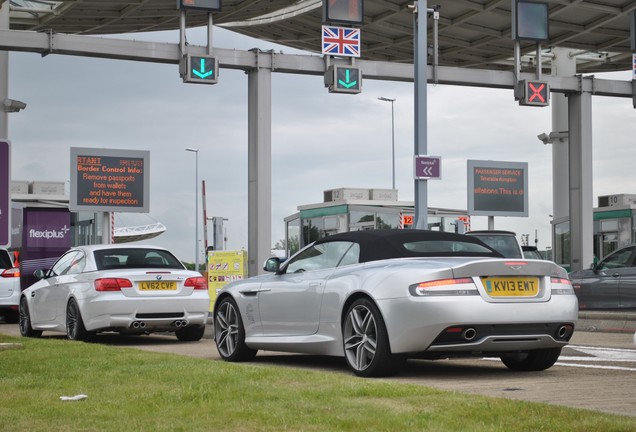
point(392, 138)
point(196, 207)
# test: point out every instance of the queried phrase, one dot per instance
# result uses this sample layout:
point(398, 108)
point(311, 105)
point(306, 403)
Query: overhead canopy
point(472, 33)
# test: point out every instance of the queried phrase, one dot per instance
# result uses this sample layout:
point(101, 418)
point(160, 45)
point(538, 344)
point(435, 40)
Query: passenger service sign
point(497, 188)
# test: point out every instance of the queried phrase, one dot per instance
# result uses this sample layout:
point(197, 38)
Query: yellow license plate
point(511, 286)
point(158, 286)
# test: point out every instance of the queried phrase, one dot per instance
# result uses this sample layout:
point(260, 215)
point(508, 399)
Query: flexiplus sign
point(225, 267)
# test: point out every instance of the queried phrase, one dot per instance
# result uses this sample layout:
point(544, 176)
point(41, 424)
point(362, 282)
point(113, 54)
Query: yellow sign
point(225, 267)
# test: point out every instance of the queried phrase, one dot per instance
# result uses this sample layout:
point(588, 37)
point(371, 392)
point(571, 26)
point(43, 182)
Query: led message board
point(109, 180)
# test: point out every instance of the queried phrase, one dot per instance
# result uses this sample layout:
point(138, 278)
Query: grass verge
point(134, 390)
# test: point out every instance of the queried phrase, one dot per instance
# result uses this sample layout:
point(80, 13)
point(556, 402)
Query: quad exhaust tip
point(138, 324)
point(180, 323)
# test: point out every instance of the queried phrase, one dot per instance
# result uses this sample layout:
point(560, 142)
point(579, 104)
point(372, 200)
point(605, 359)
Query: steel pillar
point(259, 166)
point(580, 179)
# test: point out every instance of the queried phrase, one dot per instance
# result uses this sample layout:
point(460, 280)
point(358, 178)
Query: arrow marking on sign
point(346, 83)
point(202, 74)
point(428, 171)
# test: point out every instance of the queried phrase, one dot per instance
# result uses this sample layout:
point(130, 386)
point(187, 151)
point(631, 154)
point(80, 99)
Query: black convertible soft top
point(385, 244)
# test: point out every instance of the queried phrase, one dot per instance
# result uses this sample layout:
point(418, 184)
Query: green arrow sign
point(201, 73)
point(201, 69)
point(346, 79)
point(347, 83)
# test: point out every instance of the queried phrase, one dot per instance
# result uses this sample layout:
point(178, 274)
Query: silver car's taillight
point(561, 286)
point(444, 287)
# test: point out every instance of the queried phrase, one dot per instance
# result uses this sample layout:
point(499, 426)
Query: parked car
point(531, 252)
point(379, 297)
point(9, 287)
point(504, 242)
point(125, 289)
point(609, 284)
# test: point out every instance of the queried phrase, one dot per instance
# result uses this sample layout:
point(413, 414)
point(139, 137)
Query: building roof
point(472, 33)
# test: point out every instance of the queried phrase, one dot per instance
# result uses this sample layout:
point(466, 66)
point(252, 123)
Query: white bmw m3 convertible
point(115, 288)
point(379, 297)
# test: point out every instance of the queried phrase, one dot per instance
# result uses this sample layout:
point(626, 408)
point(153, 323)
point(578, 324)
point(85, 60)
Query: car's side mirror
point(40, 274)
point(272, 265)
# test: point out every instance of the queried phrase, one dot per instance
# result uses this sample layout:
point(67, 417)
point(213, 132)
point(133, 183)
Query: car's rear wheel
point(190, 334)
point(532, 361)
point(366, 342)
point(229, 333)
point(24, 321)
point(75, 329)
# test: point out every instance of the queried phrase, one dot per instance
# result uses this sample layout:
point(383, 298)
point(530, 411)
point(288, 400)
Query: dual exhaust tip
point(563, 332)
point(141, 324)
point(469, 334)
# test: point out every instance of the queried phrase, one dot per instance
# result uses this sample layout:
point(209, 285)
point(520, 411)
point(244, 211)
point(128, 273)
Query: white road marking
point(588, 366)
point(594, 356)
point(609, 354)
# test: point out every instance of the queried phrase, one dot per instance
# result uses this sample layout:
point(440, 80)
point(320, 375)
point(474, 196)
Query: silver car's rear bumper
point(421, 321)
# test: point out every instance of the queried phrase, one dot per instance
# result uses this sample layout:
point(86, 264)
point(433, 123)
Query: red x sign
point(535, 93)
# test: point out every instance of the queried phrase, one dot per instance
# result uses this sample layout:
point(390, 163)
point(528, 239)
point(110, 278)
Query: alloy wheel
point(360, 337)
point(226, 329)
point(72, 316)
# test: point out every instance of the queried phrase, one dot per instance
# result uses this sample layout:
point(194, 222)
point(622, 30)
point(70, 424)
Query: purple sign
point(5, 193)
point(428, 167)
point(46, 235)
point(47, 228)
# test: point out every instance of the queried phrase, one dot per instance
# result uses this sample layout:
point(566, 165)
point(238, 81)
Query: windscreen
point(504, 244)
point(446, 247)
point(128, 258)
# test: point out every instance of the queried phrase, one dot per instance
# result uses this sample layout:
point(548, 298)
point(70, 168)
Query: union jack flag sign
point(634, 62)
point(341, 41)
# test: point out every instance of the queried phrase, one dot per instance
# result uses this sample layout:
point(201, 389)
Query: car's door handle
point(314, 284)
point(616, 275)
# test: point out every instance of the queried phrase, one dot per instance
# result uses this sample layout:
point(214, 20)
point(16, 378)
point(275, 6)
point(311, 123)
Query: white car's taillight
point(112, 284)
point(444, 287)
point(199, 283)
point(561, 286)
point(11, 273)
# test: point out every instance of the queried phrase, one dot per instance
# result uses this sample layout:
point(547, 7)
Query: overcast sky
point(320, 141)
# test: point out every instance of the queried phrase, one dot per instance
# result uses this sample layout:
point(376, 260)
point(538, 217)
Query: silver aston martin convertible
point(377, 298)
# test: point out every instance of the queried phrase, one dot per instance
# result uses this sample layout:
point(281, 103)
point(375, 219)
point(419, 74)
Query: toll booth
point(614, 227)
point(355, 209)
